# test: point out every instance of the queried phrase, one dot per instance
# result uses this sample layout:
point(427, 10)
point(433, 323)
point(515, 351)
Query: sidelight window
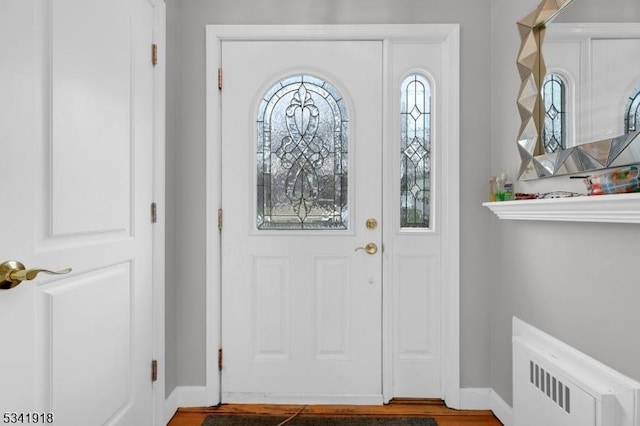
point(554, 132)
point(632, 111)
point(415, 152)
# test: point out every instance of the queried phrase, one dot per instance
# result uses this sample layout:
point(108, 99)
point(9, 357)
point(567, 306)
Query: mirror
point(594, 134)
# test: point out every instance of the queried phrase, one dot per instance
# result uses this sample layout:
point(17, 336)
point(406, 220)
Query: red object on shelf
point(618, 181)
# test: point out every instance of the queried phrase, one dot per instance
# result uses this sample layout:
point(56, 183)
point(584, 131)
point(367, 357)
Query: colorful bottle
point(502, 179)
point(493, 193)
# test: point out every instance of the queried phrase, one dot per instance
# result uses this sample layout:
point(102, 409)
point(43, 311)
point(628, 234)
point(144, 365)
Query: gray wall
point(574, 281)
point(186, 163)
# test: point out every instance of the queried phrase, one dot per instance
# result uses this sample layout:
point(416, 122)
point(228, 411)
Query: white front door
point(76, 116)
point(301, 161)
point(305, 315)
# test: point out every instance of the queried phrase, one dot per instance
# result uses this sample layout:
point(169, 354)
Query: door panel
point(418, 307)
point(301, 308)
point(332, 307)
point(102, 299)
point(270, 305)
point(81, 107)
point(91, 100)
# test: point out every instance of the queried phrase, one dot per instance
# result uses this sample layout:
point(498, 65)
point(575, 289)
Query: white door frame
point(449, 36)
point(159, 174)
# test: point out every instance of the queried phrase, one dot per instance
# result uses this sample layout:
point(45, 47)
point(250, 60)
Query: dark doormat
point(237, 420)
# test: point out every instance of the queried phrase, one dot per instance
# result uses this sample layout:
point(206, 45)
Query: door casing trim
point(446, 34)
point(159, 188)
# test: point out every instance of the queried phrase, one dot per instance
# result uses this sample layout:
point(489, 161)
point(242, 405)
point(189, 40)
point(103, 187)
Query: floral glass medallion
point(302, 156)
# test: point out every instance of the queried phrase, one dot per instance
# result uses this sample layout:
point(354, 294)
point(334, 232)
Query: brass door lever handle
point(370, 248)
point(13, 273)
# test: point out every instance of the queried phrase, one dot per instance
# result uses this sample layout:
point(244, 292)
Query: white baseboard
point(185, 396)
point(170, 406)
point(256, 398)
point(501, 409)
point(486, 399)
point(475, 398)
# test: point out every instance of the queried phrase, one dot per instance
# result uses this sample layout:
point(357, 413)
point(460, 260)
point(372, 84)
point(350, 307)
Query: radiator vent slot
point(550, 385)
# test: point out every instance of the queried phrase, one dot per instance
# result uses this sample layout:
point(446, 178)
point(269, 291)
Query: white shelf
point(618, 208)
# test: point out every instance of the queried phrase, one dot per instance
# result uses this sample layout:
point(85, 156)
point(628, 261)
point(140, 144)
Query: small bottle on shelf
point(501, 180)
point(493, 192)
point(508, 191)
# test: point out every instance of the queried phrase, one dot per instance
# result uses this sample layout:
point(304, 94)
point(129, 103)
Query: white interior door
point(301, 161)
point(76, 115)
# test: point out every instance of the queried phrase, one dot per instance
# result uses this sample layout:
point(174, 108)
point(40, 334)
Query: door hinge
point(220, 219)
point(154, 54)
point(220, 359)
point(154, 213)
point(154, 370)
point(220, 78)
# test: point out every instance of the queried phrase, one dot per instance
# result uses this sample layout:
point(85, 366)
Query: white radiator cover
point(556, 385)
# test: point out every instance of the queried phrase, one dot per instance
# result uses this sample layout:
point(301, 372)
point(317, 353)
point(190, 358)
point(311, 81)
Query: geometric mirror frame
point(586, 157)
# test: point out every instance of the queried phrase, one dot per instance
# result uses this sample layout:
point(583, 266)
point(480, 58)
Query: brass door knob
point(370, 248)
point(13, 273)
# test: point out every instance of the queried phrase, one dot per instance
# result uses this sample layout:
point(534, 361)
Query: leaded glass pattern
point(554, 132)
point(632, 111)
point(415, 152)
point(302, 156)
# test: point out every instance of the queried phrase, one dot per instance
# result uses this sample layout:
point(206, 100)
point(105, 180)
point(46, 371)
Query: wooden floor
point(431, 408)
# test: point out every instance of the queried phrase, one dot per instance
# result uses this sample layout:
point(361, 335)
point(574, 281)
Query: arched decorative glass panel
point(632, 111)
point(415, 152)
point(302, 156)
point(554, 132)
